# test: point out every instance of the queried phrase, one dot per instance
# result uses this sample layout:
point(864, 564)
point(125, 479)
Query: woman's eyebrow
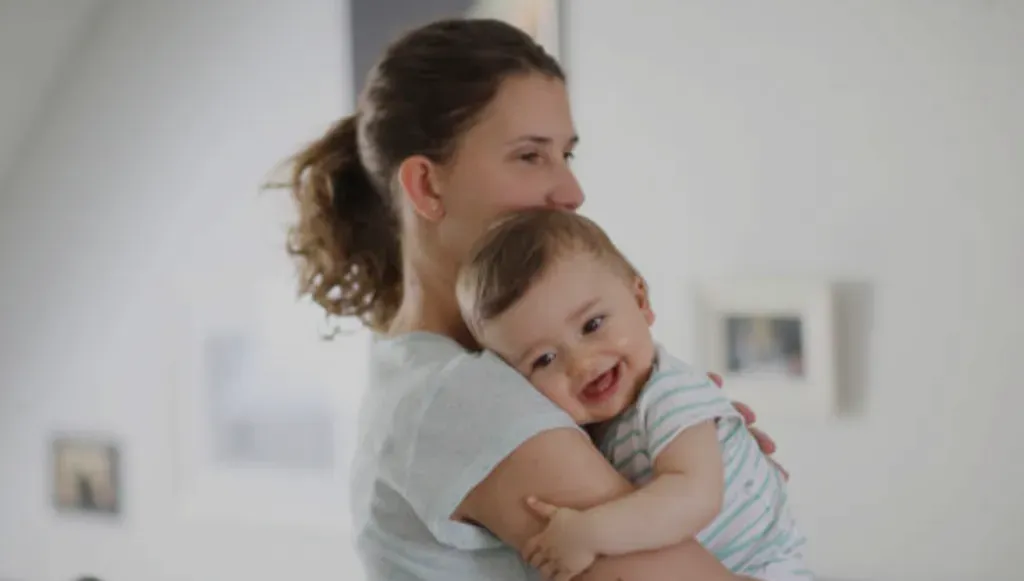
point(542, 140)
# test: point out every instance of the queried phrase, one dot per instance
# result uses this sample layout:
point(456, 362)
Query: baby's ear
point(643, 299)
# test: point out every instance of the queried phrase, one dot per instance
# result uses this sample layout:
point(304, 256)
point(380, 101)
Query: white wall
point(860, 141)
point(142, 177)
point(876, 143)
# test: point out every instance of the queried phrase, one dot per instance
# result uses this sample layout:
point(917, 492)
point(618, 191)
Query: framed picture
point(773, 341)
point(86, 475)
point(264, 409)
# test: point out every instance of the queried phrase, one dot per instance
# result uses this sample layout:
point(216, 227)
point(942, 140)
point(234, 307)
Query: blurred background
point(877, 144)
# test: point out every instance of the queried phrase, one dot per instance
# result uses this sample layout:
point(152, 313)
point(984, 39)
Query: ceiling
point(37, 37)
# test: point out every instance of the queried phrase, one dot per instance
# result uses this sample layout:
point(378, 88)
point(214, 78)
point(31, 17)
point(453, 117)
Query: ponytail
point(345, 241)
point(430, 86)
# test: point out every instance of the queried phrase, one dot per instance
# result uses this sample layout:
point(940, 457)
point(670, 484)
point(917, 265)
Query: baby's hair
point(517, 250)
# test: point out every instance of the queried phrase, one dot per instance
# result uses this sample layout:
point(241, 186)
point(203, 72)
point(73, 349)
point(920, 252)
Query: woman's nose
point(567, 193)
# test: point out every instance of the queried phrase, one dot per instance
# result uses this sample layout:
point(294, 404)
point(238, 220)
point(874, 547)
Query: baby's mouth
point(603, 386)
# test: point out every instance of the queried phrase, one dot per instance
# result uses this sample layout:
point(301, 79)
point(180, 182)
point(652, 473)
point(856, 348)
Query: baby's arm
point(684, 496)
point(679, 410)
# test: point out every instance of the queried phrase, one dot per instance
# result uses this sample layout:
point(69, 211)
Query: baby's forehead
point(559, 300)
point(583, 262)
point(565, 285)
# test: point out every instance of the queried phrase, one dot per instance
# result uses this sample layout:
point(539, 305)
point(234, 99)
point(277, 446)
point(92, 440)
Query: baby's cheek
point(557, 391)
point(549, 390)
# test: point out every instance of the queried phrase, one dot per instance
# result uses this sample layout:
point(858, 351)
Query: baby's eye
point(543, 361)
point(593, 324)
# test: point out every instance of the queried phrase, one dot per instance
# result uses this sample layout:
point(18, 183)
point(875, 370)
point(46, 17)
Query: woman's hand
point(764, 441)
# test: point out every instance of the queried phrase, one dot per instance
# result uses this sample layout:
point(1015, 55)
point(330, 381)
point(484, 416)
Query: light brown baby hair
point(517, 250)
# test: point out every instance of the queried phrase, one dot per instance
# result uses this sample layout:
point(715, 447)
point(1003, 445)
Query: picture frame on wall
point(264, 418)
point(86, 475)
point(774, 343)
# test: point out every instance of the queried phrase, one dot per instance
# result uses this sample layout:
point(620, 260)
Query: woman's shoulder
point(425, 362)
point(419, 371)
point(437, 419)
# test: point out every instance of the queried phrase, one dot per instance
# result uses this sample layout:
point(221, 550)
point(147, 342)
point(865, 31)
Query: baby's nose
point(581, 367)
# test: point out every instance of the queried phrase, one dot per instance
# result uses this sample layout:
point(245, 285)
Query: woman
point(460, 122)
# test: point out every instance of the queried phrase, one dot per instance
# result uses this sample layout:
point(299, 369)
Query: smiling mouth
point(603, 386)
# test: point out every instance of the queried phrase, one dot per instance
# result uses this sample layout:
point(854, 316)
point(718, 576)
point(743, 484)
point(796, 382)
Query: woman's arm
point(564, 468)
point(683, 497)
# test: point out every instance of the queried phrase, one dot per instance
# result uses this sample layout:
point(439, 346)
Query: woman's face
point(516, 156)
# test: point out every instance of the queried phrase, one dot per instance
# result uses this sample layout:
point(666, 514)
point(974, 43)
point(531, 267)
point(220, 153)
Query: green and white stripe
point(755, 533)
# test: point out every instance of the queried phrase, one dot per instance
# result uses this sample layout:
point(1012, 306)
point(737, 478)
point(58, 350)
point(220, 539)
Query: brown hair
point(518, 249)
point(429, 88)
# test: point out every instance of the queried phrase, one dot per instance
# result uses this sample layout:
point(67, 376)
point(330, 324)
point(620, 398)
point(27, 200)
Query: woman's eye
point(543, 361)
point(593, 324)
point(569, 155)
point(532, 157)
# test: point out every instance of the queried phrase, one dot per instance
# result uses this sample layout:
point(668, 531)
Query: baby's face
point(581, 335)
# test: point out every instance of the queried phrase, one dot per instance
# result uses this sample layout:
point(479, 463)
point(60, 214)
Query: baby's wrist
point(595, 534)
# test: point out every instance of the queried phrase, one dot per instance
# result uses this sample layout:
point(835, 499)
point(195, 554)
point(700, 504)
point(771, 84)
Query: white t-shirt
point(435, 421)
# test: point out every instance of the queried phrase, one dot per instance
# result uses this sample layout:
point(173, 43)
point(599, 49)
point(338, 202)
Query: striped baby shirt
point(755, 533)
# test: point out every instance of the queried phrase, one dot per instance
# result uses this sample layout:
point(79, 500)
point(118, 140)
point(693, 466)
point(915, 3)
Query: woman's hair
point(429, 88)
point(518, 249)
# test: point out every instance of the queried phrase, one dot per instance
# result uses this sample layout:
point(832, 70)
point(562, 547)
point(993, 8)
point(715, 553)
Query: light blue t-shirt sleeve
point(479, 412)
point(678, 397)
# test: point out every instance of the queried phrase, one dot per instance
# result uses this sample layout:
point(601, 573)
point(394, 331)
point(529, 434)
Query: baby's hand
point(562, 550)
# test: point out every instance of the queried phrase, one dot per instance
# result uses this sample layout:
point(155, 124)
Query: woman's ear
point(643, 299)
point(418, 180)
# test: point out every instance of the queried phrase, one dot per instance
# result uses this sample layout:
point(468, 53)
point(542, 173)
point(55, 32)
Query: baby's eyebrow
point(584, 308)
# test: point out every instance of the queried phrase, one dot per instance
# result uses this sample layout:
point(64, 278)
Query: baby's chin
point(601, 416)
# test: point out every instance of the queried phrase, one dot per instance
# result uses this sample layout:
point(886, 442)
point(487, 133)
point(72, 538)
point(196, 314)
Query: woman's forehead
point(529, 107)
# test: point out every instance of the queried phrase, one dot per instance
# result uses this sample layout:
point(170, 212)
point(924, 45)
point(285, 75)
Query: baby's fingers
point(531, 550)
point(541, 508)
point(549, 570)
point(538, 558)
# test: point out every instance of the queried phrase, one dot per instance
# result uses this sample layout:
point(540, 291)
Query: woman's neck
point(429, 304)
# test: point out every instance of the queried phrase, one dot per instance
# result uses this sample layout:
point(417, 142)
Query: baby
point(548, 292)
